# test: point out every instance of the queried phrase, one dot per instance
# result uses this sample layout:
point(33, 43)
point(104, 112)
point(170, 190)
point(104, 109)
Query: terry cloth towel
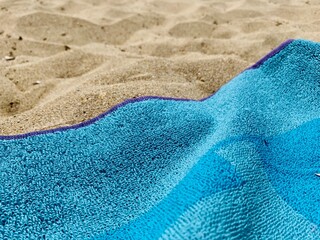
point(240, 164)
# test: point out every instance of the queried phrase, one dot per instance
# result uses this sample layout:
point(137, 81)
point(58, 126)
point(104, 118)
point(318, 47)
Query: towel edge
point(134, 100)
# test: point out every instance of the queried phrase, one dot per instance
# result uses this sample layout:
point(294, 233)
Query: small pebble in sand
point(36, 82)
point(9, 58)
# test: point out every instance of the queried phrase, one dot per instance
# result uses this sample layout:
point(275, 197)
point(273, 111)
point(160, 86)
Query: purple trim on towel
point(134, 100)
point(271, 54)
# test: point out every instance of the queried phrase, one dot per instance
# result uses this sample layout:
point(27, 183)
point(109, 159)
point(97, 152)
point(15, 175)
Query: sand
point(70, 60)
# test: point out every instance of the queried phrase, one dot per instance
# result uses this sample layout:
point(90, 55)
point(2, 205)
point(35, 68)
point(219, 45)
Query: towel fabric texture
point(240, 164)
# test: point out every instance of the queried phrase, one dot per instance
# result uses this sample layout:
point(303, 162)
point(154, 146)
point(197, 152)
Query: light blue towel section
point(240, 164)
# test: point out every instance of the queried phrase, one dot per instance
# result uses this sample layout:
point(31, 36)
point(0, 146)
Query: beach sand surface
point(66, 61)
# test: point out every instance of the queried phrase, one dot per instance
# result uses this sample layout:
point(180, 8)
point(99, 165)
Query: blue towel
point(240, 164)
